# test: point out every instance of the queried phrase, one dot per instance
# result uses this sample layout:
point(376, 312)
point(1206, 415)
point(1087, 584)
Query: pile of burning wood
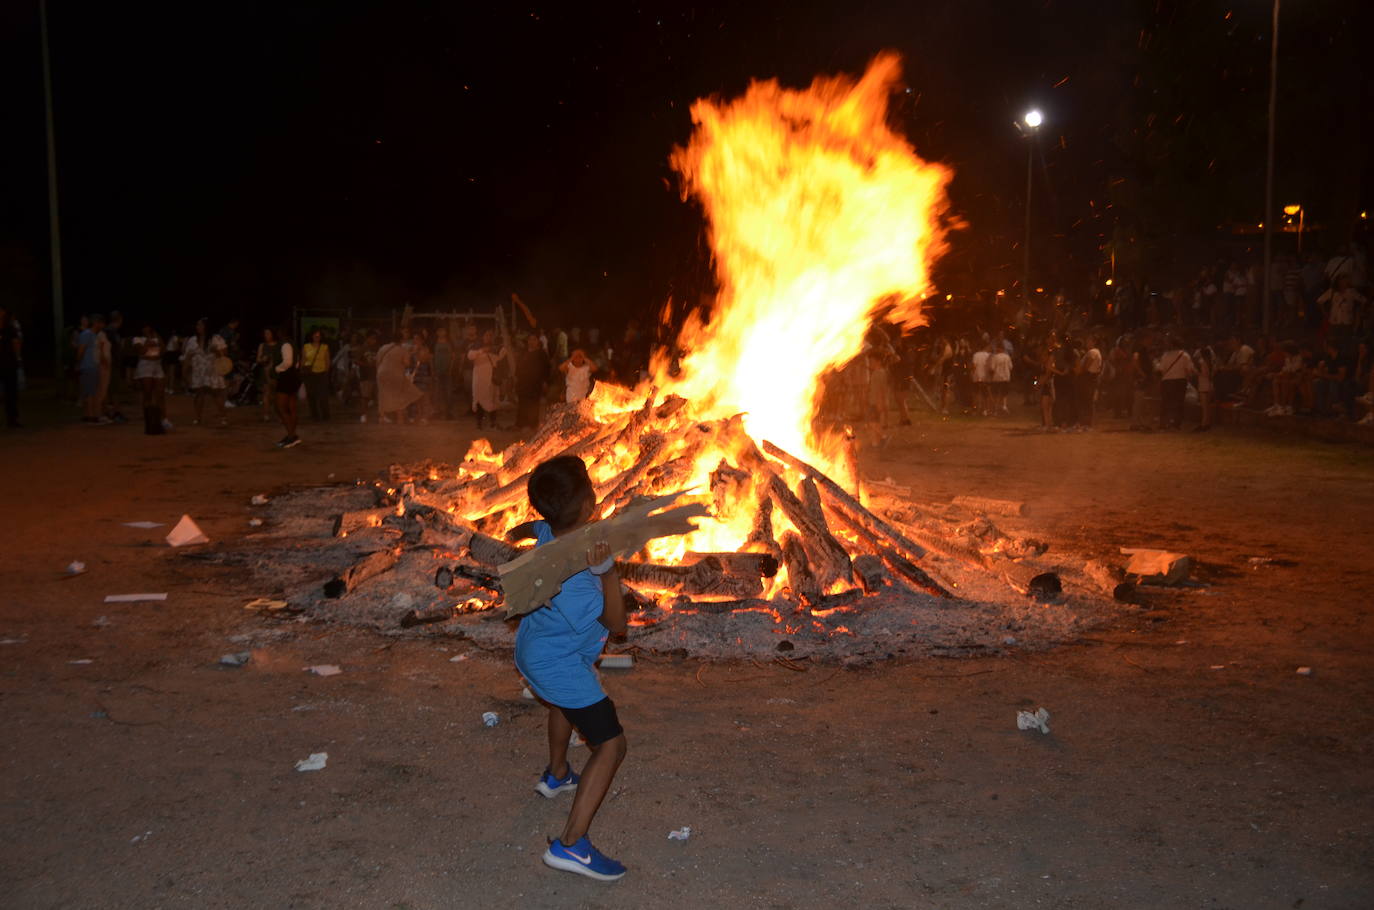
point(799, 546)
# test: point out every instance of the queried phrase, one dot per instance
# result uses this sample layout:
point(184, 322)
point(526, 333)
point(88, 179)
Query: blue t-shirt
point(557, 645)
point(90, 360)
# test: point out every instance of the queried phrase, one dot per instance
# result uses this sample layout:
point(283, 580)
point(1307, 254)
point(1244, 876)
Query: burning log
point(369, 566)
point(912, 572)
point(445, 576)
point(847, 506)
point(764, 565)
point(873, 577)
point(710, 576)
point(489, 551)
point(827, 559)
point(761, 534)
point(799, 575)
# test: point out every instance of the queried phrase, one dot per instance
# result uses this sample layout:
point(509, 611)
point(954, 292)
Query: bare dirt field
point(1189, 764)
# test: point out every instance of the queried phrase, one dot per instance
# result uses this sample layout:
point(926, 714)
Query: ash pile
point(790, 560)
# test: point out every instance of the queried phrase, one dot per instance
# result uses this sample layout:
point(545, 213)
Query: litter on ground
point(1039, 720)
point(186, 533)
point(681, 834)
point(133, 598)
point(315, 762)
point(324, 670)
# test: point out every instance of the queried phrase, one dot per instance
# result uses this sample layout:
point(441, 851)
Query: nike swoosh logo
point(584, 860)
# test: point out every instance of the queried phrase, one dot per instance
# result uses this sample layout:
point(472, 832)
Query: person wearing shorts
point(556, 649)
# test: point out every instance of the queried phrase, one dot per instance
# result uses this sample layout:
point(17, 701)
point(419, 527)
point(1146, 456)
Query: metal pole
point(1025, 265)
point(1269, 165)
point(54, 229)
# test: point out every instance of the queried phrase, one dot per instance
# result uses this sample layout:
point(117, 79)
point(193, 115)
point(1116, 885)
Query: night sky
point(251, 157)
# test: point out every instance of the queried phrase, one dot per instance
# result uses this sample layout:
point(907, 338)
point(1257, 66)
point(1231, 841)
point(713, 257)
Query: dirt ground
point(1189, 764)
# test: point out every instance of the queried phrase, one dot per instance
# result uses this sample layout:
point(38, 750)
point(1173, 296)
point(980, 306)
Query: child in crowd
point(556, 649)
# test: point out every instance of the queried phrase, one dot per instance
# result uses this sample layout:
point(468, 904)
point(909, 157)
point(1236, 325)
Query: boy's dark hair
point(557, 490)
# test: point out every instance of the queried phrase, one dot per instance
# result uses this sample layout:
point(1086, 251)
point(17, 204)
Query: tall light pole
point(54, 231)
point(1269, 165)
point(1032, 121)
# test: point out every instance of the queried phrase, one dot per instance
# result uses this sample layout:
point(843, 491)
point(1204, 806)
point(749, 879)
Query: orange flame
point(819, 216)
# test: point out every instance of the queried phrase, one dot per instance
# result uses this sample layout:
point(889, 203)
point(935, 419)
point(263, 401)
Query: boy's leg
point(592, 789)
point(560, 731)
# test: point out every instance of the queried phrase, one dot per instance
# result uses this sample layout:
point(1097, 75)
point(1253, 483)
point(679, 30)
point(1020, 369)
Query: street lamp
point(1032, 121)
point(1290, 211)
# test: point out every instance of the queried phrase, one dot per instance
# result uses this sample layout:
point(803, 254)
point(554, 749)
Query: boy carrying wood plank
point(556, 649)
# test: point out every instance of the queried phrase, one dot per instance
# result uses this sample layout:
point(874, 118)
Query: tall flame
point(819, 215)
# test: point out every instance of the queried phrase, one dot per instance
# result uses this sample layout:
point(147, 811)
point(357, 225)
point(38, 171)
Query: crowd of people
point(1130, 352)
point(1151, 357)
point(427, 370)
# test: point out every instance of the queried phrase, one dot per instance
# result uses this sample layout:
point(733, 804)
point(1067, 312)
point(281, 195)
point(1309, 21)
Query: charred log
point(368, 567)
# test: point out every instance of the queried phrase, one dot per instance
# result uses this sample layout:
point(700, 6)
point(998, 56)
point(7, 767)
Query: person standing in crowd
point(200, 358)
point(288, 384)
point(577, 376)
point(422, 374)
point(171, 364)
point(269, 355)
point(395, 391)
point(230, 333)
point(151, 381)
point(1046, 383)
point(11, 356)
point(88, 370)
point(1344, 307)
point(531, 382)
point(1089, 372)
point(484, 361)
point(999, 375)
point(1065, 385)
point(315, 364)
point(471, 342)
point(443, 374)
point(1174, 367)
point(978, 372)
point(1206, 360)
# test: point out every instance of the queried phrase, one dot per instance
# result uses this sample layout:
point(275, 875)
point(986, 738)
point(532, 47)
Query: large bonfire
point(820, 217)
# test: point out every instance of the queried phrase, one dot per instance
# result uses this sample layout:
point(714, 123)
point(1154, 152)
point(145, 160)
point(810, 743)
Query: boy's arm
point(521, 532)
point(613, 601)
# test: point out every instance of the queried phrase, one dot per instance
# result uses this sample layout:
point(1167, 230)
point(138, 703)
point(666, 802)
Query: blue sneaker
point(584, 859)
point(551, 786)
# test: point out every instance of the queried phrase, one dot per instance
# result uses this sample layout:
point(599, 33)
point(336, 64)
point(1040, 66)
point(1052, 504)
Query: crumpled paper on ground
point(315, 762)
point(681, 833)
point(1040, 720)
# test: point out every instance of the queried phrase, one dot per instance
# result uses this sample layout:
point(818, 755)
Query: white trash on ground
point(315, 762)
point(1040, 720)
point(457, 658)
point(490, 718)
point(143, 524)
point(186, 533)
point(132, 598)
point(324, 670)
point(237, 659)
point(76, 567)
point(1304, 671)
point(255, 522)
point(259, 500)
point(681, 834)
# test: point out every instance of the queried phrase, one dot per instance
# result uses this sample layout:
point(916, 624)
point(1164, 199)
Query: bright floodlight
point(1033, 119)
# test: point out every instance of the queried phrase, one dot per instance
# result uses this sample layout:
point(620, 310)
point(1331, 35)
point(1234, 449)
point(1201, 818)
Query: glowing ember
point(819, 216)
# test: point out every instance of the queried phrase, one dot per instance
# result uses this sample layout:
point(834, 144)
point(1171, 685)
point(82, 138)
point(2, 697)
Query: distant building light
point(949, 296)
point(1109, 282)
point(1039, 290)
point(1292, 209)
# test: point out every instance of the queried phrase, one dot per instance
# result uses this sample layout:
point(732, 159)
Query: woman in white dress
point(484, 360)
point(150, 377)
point(199, 356)
point(577, 372)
